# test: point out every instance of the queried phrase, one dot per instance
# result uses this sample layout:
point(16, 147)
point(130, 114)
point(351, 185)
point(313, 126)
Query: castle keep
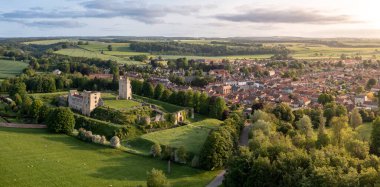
point(125, 88)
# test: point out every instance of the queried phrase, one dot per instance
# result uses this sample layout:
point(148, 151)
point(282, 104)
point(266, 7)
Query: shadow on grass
point(135, 168)
point(75, 143)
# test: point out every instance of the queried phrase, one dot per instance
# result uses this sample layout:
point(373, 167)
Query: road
point(26, 126)
point(218, 180)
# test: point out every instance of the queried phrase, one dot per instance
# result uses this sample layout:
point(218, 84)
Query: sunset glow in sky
point(195, 18)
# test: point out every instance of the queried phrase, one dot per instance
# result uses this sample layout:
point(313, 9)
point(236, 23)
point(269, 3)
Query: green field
point(121, 104)
point(191, 136)
point(78, 52)
point(48, 42)
point(165, 107)
point(11, 68)
point(31, 157)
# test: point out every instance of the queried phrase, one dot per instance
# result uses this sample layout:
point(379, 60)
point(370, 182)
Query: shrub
point(156, 178)
point(155, 150)
point(115, 142)
point(103, 140)
point(96, 139)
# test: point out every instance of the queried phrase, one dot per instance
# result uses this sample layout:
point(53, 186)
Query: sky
point(190, 18)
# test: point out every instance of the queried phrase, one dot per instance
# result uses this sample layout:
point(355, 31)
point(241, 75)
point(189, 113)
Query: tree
point(156, 178)
point(155, 150)
point(18, 88)
point(158, 91)
point(355, 118)
point(109, 47)
point(371, 83)
point(325, 98)
point(166, 95)
point(217, 109)
point(284, 112)
point(217, 150)
point(148, 90)
point(35, 110)
point(204, 104)
point(323, 137)
point(305, 126)
point(61, 120)
point(338, 124)
point(375, 137)
point(196, 101)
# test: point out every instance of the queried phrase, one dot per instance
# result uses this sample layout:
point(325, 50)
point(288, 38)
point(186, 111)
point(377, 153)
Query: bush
point(115, 142)
point(155, 150)
point(61, 120)
point(156, 178)
point(103, 140)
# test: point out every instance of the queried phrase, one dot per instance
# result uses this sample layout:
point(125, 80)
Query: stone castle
point(87, 101)
point(84, 102)
point(125, 88)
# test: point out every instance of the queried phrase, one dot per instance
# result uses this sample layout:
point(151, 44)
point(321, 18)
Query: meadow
point(79, 52)
point(191, 136)
point(33, 157)
point(10, 68)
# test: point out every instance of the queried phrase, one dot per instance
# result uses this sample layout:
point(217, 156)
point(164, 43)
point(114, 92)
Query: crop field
point(48, 42)
point(165, 107)
point(11, 68)
point(191, 136)
point(78, 52)
point(318, 51)
point(39, 158)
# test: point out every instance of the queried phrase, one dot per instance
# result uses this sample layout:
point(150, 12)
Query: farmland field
point(48, 42)
point(78, 52)
point(38, 158)
point(191, 136)
point(11, 68)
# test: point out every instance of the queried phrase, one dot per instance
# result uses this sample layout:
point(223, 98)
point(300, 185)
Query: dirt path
point(218, 180)
point(25, 126)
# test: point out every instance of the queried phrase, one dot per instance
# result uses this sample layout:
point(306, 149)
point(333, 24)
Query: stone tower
point(125, 88)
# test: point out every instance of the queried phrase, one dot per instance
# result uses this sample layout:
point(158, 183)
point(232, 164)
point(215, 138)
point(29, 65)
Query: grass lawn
point(191, 136)
point(10, 68)
point(47, 98)
point(166, 107)
point(121, 104)
point(33, 157)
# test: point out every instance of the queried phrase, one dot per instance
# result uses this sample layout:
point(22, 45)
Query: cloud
point(136, 10)
point(54, 24)
point(284, 16)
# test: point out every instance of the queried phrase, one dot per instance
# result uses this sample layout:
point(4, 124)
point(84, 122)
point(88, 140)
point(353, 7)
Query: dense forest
point(176, 48)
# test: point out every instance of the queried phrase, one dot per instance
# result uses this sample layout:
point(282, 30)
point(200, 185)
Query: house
point(360, 99)
point(224, 89)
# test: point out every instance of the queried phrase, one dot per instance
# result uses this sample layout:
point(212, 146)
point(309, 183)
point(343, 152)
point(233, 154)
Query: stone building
point(84, 102)
point(125, 88)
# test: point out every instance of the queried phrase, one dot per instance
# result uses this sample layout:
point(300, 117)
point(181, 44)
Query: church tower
point(125, 88)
